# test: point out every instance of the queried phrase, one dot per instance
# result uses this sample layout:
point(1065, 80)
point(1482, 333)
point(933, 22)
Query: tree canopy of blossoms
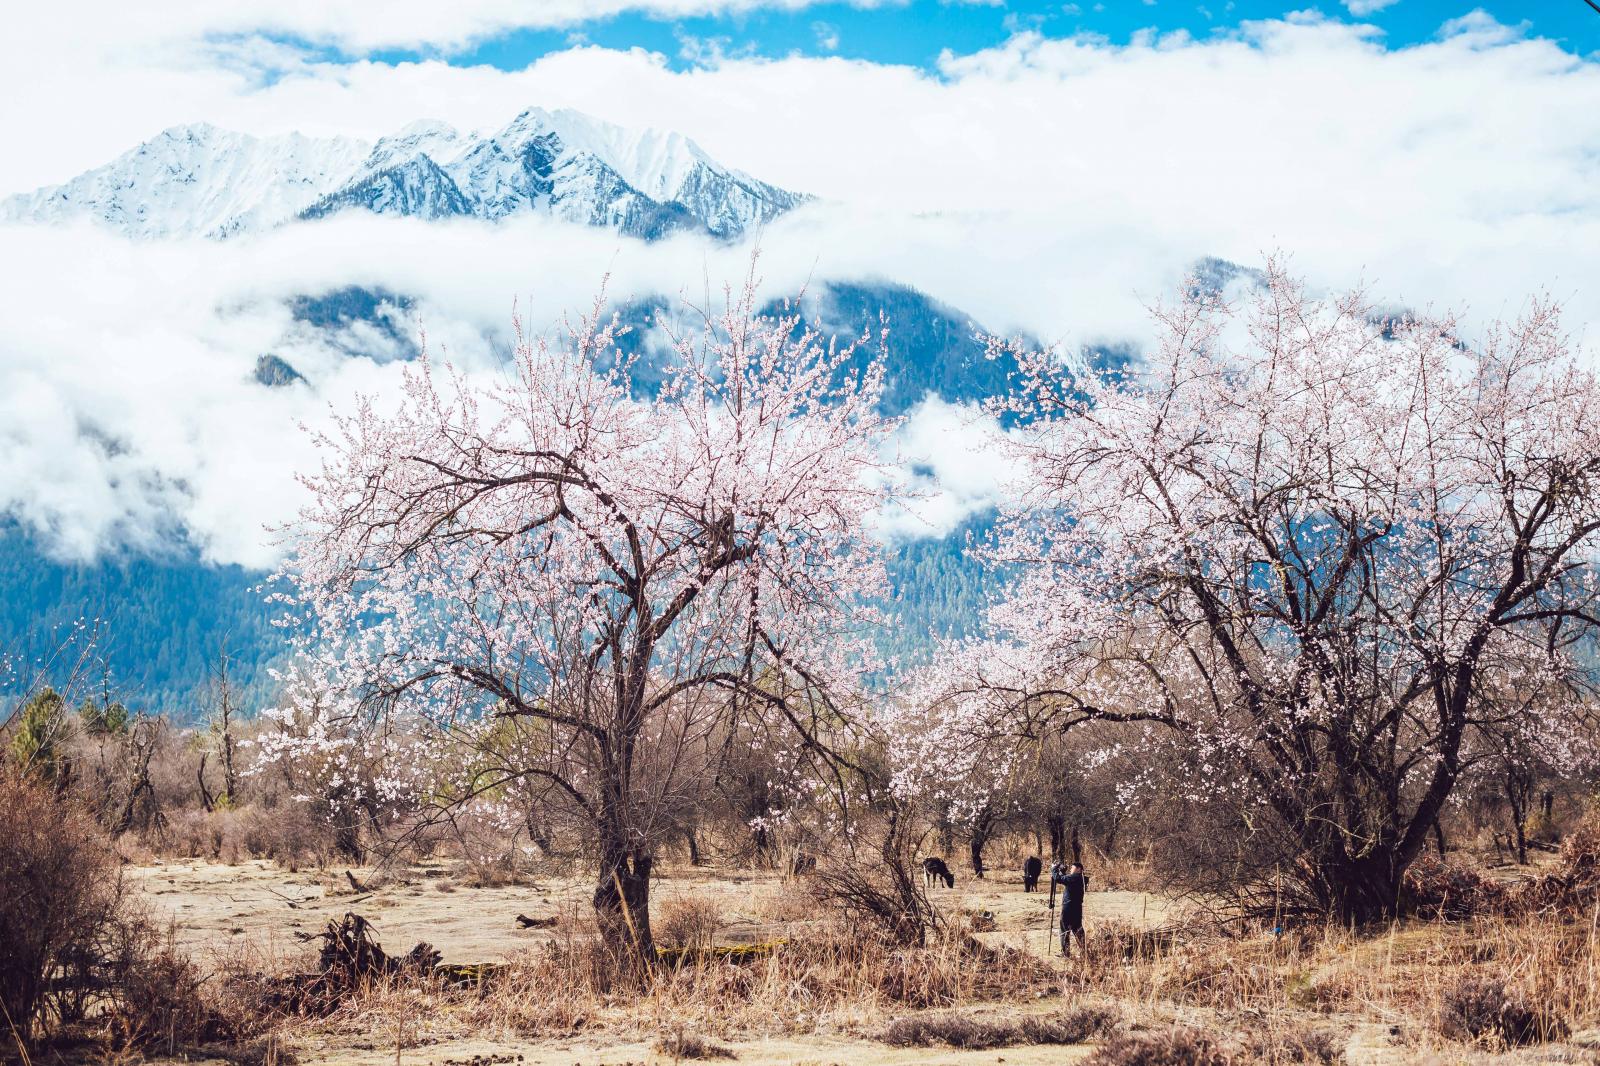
point(1327, 557)
point(610, 573)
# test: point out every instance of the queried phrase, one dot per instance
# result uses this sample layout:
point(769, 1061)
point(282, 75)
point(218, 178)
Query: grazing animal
point(1030, 873)
point(935, 870)
point(802, 863)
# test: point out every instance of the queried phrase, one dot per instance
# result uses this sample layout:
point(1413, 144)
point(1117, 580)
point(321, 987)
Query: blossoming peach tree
point(1319, 559)
point(570, 585)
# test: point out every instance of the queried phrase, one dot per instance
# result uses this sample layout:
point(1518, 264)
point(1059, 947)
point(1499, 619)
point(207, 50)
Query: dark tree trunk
point(206, 801)
point(762, 841)
point(982, 829)
point(1057, 826)
point(1518, 794)
point(694, 846)
point(1365, 888)
point(1438, 837)
point(622, 905)
point(347, 836)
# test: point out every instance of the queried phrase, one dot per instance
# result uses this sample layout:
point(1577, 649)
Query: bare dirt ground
point(219, 909)
point(253, 910)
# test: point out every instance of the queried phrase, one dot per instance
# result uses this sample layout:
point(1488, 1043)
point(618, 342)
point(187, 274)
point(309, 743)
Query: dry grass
point(683, 1045)
point(835, 980)
point(1291, 999)
point(1449, 991)
point(687, 922)
point(962, 1030)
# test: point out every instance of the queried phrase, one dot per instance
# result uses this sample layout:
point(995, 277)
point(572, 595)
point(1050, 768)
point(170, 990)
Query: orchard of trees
point(1301, 579)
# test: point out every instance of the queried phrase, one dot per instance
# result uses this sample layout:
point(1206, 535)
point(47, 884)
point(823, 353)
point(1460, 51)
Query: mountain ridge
point(202, 180)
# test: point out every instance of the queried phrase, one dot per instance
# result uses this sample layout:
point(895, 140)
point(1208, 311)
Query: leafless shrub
point(875, 889)
point(1170, 1047)
point(1291, 1046)
point(77, 952)
point(1484, 1009)
point(971, 1033)
point(153, 998)
point(60, 894)
point(687, 922)
point(290, 832)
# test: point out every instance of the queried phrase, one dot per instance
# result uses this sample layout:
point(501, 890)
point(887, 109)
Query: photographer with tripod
point(1074, 885)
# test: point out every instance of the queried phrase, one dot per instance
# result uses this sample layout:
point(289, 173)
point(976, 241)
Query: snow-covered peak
point(201, 180)
point(198, 180)
point(437, 140)
point(655, 162)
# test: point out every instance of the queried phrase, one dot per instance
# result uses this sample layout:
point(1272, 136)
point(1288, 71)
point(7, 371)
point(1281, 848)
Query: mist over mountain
point(165, 614)
point(165, 618)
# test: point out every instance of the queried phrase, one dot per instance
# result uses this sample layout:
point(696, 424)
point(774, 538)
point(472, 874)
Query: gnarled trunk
point(622, 904)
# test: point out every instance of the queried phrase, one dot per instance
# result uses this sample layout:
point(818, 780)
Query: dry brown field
point(1374, 999)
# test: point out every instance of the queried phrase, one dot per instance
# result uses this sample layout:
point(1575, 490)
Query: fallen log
point(536, 923)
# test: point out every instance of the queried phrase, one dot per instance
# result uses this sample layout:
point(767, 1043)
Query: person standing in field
point(1074, 885)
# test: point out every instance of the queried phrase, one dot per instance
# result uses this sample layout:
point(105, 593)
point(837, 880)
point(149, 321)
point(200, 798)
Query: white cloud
point(954, 469)
point(1045, 185)
point(1363, 8)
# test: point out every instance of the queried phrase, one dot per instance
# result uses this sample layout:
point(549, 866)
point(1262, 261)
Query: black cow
point(1030, 873)
point(935, 870)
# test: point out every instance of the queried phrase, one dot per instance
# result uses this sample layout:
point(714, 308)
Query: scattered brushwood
point(1453, 891)
point(350, 953)
point(979, 1034)
point(351, 959)
point(980, 921)
point(683, 1045)
point(1485, 1010)
point(1171, 1047)
point(524, 922)
point(1439, 889)
point(1574, 886)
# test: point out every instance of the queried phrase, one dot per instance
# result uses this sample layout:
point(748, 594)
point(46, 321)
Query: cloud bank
point(1049, 186)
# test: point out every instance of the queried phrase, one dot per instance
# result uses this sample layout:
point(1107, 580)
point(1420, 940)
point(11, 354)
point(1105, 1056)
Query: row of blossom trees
point(1320, 560)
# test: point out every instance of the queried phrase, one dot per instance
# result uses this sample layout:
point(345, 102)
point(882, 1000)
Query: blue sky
point(915, 33)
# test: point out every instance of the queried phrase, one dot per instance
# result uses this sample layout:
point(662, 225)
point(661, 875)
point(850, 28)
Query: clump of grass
point(1484, 1009)
point(687, 922)
point(965, 1031)
point(1178, 1046)
point(1293, 1046)
point(685, 1045)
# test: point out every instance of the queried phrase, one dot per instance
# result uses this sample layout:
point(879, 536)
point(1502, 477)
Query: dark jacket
point(1073, 887)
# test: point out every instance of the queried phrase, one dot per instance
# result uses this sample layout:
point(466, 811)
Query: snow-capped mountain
point(199, 180)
